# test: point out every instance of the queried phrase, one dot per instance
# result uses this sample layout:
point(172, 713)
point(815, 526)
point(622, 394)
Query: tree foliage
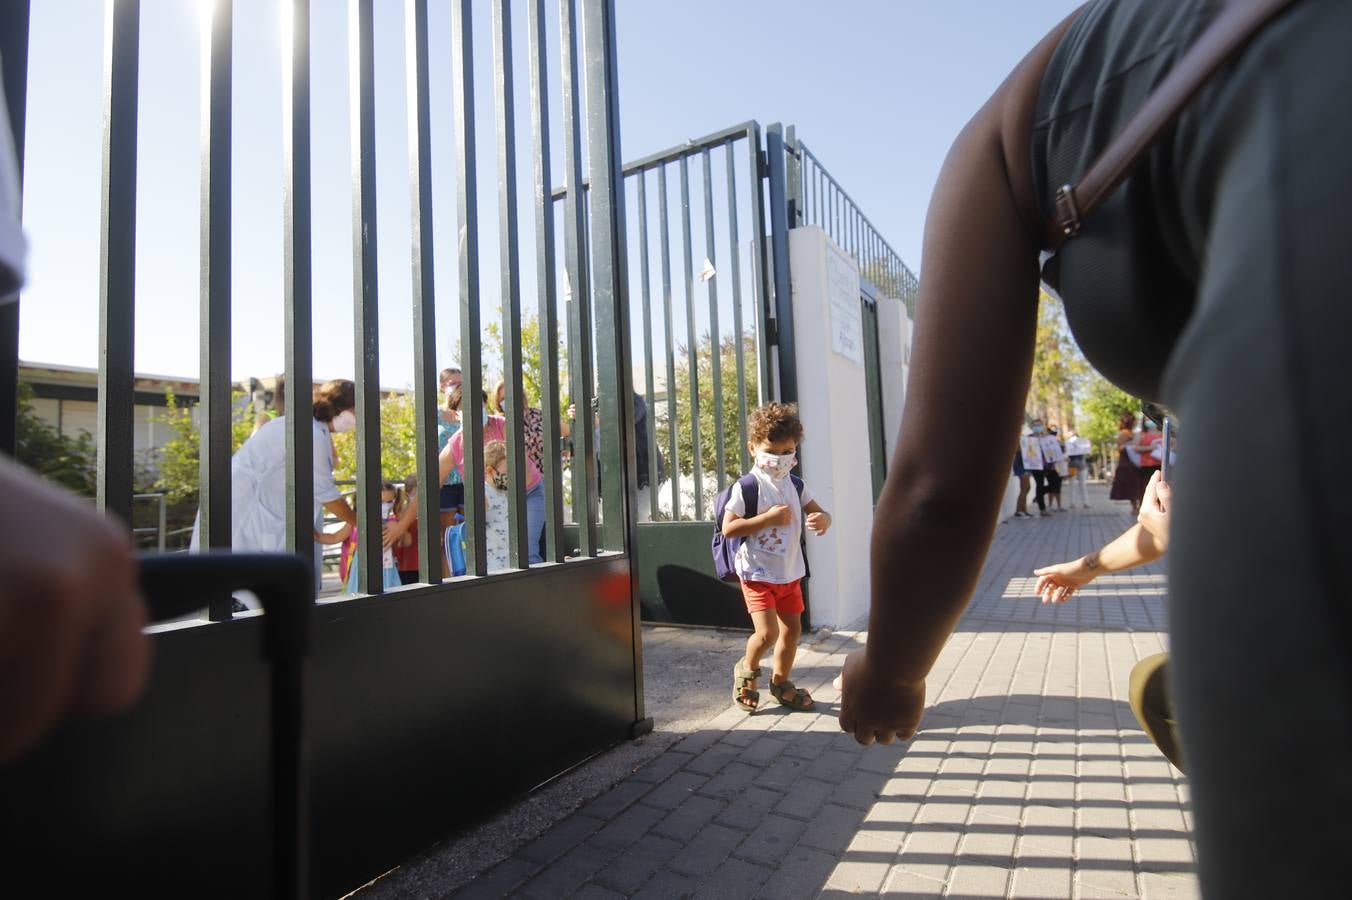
point(1059, 370)
point(68, 461)
point(532, 368)
point(680, 393)
point(1104, 403)
point(177, 463)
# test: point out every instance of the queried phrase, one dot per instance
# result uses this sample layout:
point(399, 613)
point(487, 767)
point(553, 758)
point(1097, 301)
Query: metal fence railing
point(819, 199)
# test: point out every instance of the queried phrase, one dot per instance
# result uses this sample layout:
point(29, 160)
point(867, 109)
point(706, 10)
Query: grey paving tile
point(633, 868)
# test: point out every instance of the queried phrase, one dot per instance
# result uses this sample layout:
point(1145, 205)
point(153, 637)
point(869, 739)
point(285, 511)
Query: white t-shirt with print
point(773, 554)
point(495, 527)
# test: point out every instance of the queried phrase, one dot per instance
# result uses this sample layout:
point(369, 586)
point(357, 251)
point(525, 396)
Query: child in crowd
point(406, 546)
point(769, 561)
point(389, 573)
point(495, 504)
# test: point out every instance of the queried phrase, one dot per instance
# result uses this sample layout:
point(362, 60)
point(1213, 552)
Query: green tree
point(177, 463)
point(679, 397)
point(1059, 370)
point(532, 379)
point(1105, 403)
point(68, 461)
point(398, 441)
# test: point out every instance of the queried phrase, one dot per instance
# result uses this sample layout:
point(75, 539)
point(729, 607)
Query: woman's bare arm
point(969, 379)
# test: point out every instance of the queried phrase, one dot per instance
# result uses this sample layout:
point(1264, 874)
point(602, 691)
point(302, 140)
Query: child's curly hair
point(774, 422)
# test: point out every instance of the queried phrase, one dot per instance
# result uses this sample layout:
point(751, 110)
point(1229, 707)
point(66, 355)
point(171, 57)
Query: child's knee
point(768, 632)
point(791, 627)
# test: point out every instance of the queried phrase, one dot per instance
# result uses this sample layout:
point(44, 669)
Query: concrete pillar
point(829, 356)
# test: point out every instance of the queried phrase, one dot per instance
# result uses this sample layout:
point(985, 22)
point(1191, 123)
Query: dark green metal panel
point(873, 391)
point(676, 578)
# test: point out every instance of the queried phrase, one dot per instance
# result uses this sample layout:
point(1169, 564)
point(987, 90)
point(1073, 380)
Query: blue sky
point(878, 89)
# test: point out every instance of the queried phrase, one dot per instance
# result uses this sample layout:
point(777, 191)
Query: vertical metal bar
point(548, 320)
point(300, 426)
point(611, 282)
point(760, 263)
point(647, 342)
point(467, 221)
point(518, 551)
point(162, 524)
point(361, 83)
point(117, 288)
point(580, 317)
point(692, 342)
point(214, 291)
point(610, 285)
point(669, 322)
point(14, 19)
point(715, 337)
point(779, 236)
point(424, 290)
point(735, 263)
point(794, 172)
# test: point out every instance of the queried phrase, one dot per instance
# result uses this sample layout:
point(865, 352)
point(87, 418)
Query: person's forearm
point(927, 553)
point(1133, 547)
point(969, 379)
point(342, 510)
point(744, 527)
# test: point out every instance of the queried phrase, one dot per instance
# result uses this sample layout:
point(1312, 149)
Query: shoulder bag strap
point(1239, 22)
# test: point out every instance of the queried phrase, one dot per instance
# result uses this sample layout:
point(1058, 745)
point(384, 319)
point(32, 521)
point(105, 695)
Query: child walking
point(769, 562)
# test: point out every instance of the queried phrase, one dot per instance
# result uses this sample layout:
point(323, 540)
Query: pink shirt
point(495, 430)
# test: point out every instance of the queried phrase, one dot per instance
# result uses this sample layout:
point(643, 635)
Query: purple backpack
point(725, 548)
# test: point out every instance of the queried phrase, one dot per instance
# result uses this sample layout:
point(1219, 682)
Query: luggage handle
point(172, 586)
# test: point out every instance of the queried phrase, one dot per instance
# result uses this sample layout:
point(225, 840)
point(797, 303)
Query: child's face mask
point(776, 465)
point(500, 480)
point(386, 508)
point(484, 411)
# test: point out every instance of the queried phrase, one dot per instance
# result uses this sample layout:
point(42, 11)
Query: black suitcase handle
point(173, 586)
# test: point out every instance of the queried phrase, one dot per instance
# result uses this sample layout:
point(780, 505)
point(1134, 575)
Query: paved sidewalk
point(1029, 778)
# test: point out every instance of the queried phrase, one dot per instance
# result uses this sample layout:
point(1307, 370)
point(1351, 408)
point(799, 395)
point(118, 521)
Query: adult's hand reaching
point(71, 614)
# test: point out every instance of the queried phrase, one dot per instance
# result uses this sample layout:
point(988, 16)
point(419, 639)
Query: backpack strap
point(1222, 39)
point(750, 494)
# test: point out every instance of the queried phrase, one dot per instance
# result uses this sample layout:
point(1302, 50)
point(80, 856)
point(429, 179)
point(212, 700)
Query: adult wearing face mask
point(1030, 447)
point(452, 459)
point(258, 476)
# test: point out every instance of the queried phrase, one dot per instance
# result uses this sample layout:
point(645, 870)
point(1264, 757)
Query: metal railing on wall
point(817, 198)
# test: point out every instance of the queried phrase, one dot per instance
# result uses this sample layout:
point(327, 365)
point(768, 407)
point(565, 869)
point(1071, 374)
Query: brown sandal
point(745, 696)
point(790, 696)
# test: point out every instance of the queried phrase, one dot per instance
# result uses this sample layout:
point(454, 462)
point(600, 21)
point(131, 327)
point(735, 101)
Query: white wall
point(833, 407)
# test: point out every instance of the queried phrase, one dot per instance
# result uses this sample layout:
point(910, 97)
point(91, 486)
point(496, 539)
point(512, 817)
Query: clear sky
point(878, 89)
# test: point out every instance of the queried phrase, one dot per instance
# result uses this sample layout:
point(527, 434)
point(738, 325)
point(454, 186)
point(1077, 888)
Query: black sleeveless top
point(1128, 279)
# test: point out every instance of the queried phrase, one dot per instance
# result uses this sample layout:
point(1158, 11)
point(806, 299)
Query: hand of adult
point(1154, 514)
point(392, 532)
point(1056, 584)
point(877, 706)
point(71, 615)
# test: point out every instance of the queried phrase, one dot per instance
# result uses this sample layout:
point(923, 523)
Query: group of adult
point(1043, 458)
point(1139, 455)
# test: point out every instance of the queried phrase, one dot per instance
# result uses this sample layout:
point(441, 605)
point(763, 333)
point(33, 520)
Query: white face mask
point(776, 465)
point(345, 421)
point(484, 410)
point(386, 508)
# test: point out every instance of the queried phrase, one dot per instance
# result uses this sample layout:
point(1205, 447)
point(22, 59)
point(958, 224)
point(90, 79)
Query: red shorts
point(787, 599)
